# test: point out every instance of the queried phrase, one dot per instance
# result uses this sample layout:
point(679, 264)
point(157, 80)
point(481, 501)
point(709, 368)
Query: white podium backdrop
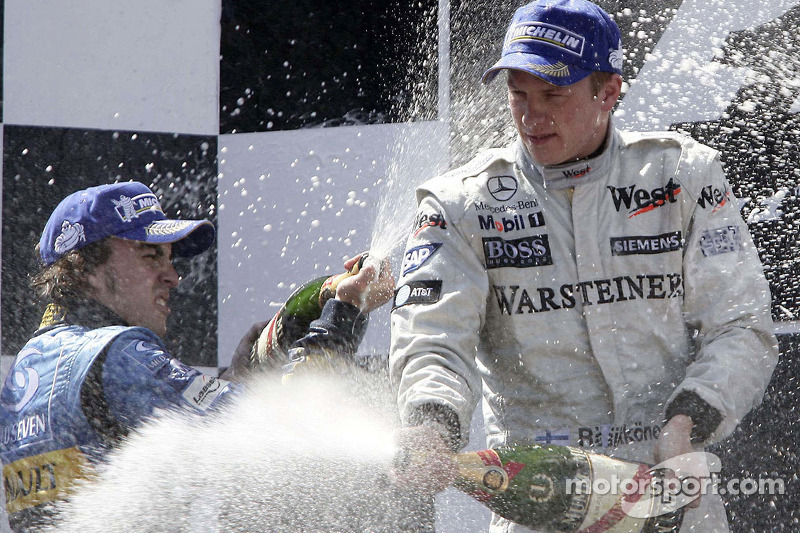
point(294, 204)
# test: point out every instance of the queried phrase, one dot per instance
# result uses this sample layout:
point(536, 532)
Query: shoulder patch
point(203, 390)
point(480, 163)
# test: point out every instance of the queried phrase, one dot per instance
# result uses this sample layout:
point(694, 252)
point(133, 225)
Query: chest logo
point(502, 188)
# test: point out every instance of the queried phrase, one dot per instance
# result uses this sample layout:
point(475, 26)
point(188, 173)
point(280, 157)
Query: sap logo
point(714, 197)
point(417, 256)
point(517, 253)
point(425, 220)
point(418, 292)
point(638, 201)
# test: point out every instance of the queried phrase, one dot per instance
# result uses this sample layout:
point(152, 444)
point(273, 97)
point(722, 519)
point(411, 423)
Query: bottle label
point(616, 485)
point(485, 473)
point(579, 501)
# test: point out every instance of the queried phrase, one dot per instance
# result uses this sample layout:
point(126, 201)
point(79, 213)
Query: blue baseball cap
point(560, 41)
point(127, 210)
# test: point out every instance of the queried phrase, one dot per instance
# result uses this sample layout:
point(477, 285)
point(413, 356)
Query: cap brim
point(558, 73)
point(189, 237)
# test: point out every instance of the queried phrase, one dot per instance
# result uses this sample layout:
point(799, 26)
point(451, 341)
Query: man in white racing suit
point(595, 288)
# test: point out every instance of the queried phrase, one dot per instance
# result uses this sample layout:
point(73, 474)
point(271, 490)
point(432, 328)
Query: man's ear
point(610, 92)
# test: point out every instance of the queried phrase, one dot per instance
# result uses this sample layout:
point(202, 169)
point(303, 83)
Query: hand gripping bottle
point(564, 489)
point(291, 321)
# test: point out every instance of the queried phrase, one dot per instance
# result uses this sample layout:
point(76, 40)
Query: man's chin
point(159, 329)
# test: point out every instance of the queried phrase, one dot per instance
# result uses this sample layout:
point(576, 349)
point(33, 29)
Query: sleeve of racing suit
point(437, 314)
point(340, 327)
point(139, 376)
point(727, 304)
point(330, 341)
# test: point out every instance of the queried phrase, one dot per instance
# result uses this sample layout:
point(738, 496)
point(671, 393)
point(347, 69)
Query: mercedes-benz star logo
point(502, 188)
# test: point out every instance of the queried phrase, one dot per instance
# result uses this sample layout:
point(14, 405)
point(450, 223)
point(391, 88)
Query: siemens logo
point(646, 244)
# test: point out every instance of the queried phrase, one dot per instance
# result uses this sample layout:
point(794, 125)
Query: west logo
point(576, 172)
point(637, 201)
point(517, 253)
point(426, 220)
point(714, 197)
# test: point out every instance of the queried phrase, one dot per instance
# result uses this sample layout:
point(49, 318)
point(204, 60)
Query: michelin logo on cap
point(71, 235)
point(129, 208)
point(557, 36)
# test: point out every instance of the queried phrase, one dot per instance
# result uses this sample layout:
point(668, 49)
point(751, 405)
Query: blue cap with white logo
point(127, 210)
point(560, 41)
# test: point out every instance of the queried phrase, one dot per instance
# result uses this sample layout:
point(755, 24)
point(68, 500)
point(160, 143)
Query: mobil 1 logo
point(530, 251)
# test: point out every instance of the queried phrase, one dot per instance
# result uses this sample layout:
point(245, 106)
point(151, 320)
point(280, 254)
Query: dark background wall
point(291, 65)
point(43, 165)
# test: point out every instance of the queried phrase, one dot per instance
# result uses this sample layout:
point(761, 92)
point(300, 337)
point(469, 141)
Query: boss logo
point(526, 252)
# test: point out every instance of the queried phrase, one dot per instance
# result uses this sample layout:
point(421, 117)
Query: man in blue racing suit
point(97, 366)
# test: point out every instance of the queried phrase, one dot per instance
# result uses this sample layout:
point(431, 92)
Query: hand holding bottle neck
point(424, 462)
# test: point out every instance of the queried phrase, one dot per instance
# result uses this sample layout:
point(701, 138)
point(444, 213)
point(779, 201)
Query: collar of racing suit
point(89, 313)
point(569, 174)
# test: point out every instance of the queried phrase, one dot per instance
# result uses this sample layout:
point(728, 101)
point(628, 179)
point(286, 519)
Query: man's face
point(135, 283)
point(559, 124)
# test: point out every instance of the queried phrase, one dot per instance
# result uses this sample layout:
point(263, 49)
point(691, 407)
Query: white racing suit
point(585, 303)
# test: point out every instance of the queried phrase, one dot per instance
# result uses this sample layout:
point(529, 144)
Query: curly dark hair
point(67, 279)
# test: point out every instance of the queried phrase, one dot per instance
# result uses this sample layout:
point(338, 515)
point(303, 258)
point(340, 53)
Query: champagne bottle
point(292, 320)
point(550, 488)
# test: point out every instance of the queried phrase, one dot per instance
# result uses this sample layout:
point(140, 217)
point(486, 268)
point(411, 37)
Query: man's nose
point(535, 114)
point(169, 275)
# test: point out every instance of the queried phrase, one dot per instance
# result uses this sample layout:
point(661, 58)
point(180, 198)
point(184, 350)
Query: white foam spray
point(309, 456)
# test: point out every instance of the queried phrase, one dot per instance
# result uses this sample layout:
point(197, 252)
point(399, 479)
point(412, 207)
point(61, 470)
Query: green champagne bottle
point(291, 321)
point(550, 488)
